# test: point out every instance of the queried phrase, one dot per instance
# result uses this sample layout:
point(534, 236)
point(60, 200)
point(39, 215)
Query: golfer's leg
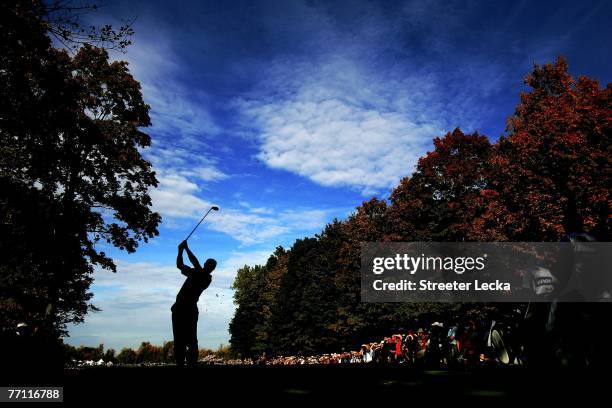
point(192, 342)
point(179, 342)
point(179, 354)
point(192, 354)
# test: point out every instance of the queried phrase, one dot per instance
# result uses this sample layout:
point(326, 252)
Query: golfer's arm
point(192, 258)
point(179, 263)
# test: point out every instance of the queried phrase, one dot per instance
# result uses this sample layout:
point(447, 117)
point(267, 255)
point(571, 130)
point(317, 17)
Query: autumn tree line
point(145, 353)
point(548, 175)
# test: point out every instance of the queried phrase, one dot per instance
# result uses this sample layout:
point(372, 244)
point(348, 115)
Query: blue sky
point(287, 114)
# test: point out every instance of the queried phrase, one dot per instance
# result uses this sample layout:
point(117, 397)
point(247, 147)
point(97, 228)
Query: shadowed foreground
point(231, 383)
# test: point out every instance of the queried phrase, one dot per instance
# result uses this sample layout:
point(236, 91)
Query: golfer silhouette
point(185, 309)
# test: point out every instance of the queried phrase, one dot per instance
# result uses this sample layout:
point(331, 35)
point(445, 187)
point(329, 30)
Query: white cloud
point(206, 173)
point(226, 271)
point(176, 110)
point(182, 160)
point(177, 198)
point(359, 113)
point(258, 225)
point(341, 125)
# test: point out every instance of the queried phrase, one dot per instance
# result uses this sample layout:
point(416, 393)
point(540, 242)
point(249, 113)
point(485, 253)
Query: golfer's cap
point(22, 324)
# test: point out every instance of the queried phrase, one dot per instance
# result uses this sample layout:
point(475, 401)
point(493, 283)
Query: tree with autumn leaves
point(72, 177)
point(547, 176)
point(551, 174)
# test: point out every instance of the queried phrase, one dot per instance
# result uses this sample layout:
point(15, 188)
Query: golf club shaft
point(198, 224)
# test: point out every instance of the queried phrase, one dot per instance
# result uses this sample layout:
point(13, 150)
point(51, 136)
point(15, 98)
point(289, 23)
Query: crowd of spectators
point(432, 346)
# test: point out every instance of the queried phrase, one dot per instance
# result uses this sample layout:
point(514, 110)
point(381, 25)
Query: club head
point(215, 208)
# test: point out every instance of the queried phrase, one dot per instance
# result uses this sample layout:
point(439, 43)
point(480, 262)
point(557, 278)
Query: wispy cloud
point(342, 118)
point(177, 198)
point(340, 125)
point(255, 226)
point(182, 160)
point(226, 272)
point(177, 111)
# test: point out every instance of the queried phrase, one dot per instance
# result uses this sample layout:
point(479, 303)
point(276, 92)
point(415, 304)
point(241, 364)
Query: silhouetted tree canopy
point(71, 173)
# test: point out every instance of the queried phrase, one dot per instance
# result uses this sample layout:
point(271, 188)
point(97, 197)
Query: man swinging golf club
point(185, 309)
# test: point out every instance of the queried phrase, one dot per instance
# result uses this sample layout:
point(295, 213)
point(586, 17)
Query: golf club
point(214, 207)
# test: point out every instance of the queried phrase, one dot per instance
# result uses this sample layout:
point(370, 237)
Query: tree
point(149, 353)
point(246, 325)
point(168, 351)
point(359, 322)
point(551, 173)
point(440, 201)
point(71, 172)
point(304, 305)
point(127, 356)
point(109, 356)
point(224, 352)
point(276, 270)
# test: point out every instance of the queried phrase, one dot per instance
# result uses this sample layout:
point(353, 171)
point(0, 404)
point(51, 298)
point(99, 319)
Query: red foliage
point(440, 201)
point(547, 177)
point(550, 175)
